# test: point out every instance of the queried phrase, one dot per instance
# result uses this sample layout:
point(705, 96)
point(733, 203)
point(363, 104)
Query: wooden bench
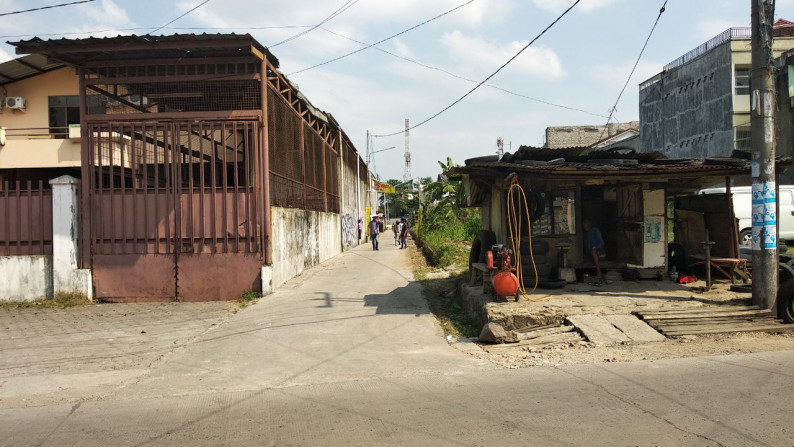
point(737, 267)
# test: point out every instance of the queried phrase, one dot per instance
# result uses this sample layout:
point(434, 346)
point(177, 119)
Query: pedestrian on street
point(374, 231)
point(396, 229)
point(403, 233)
point(360, 227)
point(594, 245)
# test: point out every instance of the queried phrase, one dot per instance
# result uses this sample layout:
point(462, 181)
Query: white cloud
point(558, 6)
point(541, 62)
point(402, 49)
point(5, 56)
point(708, 28)
point(614, 75)
point(109, 14)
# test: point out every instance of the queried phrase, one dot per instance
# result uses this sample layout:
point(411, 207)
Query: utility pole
point(762, 131)
point(407, 172)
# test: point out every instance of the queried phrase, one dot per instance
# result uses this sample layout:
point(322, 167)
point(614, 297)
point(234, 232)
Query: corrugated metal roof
point(76, 51)
point(578, 154)
point(593, 170)
point(26, 67)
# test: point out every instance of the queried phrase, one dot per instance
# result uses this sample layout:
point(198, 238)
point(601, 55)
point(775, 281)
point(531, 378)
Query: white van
point(742, 209)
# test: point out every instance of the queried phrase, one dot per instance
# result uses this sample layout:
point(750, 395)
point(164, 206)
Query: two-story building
point(40, 101)
point(699, 105)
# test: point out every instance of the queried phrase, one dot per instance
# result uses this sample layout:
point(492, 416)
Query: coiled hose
point(514, 225)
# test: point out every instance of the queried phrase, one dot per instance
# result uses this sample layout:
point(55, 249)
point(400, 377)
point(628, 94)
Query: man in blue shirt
point(594, 244)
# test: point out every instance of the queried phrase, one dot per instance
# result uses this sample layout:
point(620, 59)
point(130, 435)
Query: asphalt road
point(348, 355)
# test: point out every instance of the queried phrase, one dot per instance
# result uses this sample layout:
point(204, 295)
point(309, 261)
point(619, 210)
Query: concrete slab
point(637, 330)
point(598, 330)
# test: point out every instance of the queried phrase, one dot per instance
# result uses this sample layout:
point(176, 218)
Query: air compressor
point(504, 282)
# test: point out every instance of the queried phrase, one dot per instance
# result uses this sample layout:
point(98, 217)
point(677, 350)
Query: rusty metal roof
point(591, 170)
point(588, 162)
point(78, 51)
point(578, 154)
point(26, 67)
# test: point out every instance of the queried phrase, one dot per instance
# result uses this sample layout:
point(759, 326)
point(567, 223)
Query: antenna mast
point(407, 173)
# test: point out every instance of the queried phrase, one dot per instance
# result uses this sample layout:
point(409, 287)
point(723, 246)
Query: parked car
point(742, 209)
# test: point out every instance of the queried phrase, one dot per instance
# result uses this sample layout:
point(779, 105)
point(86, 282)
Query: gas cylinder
point(505, 283)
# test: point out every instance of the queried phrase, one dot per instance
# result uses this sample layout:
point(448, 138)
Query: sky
point(572, 75)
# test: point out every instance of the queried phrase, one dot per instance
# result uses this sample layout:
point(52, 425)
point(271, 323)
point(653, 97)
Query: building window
point(64, 110)
point(742, 79)
point(743, 138)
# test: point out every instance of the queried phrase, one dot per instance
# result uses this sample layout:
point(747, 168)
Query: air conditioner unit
point(74, 132)
point(15, 103)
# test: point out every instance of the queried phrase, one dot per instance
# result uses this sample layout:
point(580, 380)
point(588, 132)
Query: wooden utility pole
point(762, 127)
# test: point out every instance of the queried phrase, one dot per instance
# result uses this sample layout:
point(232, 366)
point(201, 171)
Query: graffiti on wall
point(349, 231)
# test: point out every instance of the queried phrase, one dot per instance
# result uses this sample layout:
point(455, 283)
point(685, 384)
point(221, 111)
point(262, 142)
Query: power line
point(183, 15)
point(384, 40)
point(338, 11)
point(614, 107)
point(431, 67)
point(489, 76)
point(45, 7)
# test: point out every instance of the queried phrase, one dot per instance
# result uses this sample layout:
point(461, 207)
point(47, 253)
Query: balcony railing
point(725, 36)
point(728, 34)
point(36, 133)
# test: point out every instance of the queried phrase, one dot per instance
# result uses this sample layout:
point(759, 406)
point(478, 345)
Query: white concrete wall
point(301, 239)
point(25, 278)
point(67, 277)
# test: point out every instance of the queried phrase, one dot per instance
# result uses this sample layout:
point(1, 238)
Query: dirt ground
point(584, 352)
point(624, 297)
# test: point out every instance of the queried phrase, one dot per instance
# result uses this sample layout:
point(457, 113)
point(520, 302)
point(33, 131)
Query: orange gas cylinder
point(505, 283)
point(489, 258)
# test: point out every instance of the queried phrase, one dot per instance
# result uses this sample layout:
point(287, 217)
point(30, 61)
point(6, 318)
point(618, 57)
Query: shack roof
point(80, 51)
point(585, 163)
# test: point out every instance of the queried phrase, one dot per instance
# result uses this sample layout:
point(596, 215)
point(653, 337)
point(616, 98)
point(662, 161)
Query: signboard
point(383, 187)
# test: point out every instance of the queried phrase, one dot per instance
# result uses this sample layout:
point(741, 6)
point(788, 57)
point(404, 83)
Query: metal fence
point(162, 188)
point(719, 39)
point(304, 168)
point(25, 219)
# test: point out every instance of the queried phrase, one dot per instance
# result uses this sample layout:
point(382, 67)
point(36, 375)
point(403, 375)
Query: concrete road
point(349, 355)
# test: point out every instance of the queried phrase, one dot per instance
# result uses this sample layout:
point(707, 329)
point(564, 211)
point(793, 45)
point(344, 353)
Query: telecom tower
point(407, 173)
point(500, 147)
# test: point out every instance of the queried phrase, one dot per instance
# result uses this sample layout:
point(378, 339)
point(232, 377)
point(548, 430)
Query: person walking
point(403, 233)
point(374, 231)
point(395, 227)
point(594, 245)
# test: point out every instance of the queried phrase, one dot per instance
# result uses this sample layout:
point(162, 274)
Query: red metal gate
point(173, 209)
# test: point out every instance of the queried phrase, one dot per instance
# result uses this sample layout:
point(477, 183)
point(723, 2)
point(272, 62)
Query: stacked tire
point(539, 251)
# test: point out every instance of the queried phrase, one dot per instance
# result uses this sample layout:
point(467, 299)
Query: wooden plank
point(723, 327)
point(739, 313)
point(535, 328)
point(698, 310)
point(769, 328)
point(565, 337)
point(709, 320)
point(544, 332)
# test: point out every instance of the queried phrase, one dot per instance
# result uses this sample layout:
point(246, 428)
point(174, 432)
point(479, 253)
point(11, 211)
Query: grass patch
point(60, 300)
point(442, 298)
point(249, 297)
